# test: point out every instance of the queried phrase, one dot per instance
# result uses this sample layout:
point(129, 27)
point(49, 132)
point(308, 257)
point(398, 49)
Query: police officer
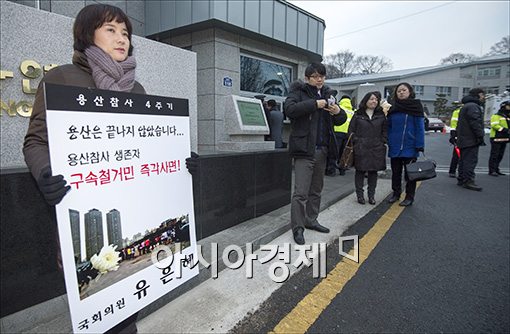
point(341, 130)
point(453, 139)
point(499, 137)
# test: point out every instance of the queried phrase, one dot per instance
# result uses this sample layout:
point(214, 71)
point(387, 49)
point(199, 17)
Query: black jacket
point(369, 137)
point(470, 130)
point(301, 108)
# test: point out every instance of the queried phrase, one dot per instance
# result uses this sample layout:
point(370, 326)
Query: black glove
point(420, 149)
point(52, 187)
point(481, 142)
point(453, 137)
point(192, 163)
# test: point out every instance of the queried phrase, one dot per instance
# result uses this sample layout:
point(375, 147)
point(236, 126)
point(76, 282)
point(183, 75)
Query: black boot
point(406, 202)
point(395, 197)
point(471, 185)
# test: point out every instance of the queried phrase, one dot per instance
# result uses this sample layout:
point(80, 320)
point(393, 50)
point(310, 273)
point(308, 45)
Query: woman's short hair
point(92, 17)
point(412, 94)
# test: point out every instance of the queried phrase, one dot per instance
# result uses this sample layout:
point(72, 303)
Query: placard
point(130, 206)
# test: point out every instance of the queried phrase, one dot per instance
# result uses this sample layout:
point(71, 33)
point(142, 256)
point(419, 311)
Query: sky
point(411, 33)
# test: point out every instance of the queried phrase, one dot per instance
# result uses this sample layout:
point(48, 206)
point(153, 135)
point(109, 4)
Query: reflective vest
point(498, 122)
point(454, 119)
point(345, 105)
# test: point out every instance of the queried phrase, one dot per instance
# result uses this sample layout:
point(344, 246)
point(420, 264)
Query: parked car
point(432, 123)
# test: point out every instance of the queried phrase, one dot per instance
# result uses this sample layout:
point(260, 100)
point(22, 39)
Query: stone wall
point(45, 38)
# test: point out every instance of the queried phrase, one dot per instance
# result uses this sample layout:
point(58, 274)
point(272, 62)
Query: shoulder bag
point(421, 169)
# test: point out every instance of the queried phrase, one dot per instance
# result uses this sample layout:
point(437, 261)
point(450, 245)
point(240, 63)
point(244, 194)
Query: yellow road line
point(312, 305)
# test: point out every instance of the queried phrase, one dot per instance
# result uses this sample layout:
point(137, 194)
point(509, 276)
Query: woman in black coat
point(369, 131)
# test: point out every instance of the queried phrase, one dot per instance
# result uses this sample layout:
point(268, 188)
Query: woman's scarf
point(108, 73)
point(409, 106)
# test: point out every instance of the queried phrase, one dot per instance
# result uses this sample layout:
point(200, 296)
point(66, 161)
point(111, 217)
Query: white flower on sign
point(106, 260)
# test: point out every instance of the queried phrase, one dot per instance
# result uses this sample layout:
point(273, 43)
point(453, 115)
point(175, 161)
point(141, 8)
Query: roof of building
point(400, 74)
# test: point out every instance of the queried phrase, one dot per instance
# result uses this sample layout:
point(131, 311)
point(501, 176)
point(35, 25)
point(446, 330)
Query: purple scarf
point(108, 73)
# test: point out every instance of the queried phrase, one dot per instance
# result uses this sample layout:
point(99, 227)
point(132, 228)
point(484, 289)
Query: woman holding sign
point(103, 58)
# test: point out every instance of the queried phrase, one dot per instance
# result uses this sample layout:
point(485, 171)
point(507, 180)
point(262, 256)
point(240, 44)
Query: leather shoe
point(493, 174)
point(452, 175)
point(472, 186)
point(361, 200)
point(371, 200)
point(298, 236)
point(394, 198)
point(499, 173)
point(406, 202)
point(318, 227)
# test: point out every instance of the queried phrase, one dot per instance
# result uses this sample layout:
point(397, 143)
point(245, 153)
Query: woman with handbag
point(368, 129)
point(406, 138)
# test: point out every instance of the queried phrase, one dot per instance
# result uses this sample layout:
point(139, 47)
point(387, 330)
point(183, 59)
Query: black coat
point(470, 130)
point(369, 137)
point(301, 108)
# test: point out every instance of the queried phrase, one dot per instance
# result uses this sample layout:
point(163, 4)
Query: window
point(264, 77)
point(492, 90)
point(444, 90)
point(489, 72)
point(418, 90)
point(465, 91)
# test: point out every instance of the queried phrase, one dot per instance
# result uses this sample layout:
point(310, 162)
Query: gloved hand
point(192, 163)
point(53, 187)
point(453, 137)
point(481, 142)
point(420, 149)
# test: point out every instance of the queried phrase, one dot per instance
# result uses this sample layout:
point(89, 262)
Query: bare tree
point(458, 58)
point(373, 64)
point(500, 48)
point(340, 64)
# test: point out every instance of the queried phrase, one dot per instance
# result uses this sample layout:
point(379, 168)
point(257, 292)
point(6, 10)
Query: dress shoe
point(298, 236)
point(318, 227)
point(499, 173)
point(394, 198)
point(472, 186)
point(493, 174)
point(342, 172)
point(406, 202)
point(371, 200)
point(330, 172)
point(361, 200)
point(452, 174)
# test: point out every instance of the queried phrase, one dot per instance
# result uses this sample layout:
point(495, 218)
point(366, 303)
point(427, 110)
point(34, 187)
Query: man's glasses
point(317, 76)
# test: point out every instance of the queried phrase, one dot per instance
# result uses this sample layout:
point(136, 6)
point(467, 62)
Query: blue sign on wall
point(227, 81)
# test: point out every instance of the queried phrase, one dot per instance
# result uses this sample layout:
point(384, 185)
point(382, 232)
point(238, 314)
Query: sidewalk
point(195, 298)
point(216, 306)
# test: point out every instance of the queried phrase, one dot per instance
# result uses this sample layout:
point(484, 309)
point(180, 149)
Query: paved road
point(443, 266)
point(438, 148)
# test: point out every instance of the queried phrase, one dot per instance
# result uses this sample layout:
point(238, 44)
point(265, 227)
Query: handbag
point(347, 158)
point(421, 169)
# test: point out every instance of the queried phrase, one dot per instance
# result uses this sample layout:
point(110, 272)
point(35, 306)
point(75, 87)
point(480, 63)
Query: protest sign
point(130, 202)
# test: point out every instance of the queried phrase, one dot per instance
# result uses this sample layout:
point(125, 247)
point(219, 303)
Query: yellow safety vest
point(498, 122)
point(345, 105)
point(454, 119)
